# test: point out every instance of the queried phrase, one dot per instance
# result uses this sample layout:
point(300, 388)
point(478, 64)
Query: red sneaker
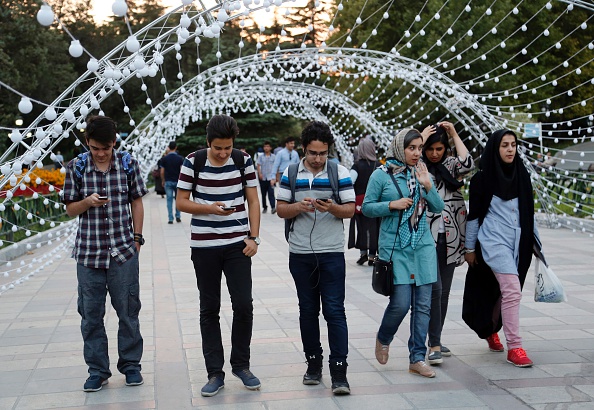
point(494, 343)
point(518, 358)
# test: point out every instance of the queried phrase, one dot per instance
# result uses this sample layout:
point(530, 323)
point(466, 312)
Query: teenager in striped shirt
point(224, 238)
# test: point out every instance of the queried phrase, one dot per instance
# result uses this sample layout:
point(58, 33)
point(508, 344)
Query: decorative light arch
point(338, 82)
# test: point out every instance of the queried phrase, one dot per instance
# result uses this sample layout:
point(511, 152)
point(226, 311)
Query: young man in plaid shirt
point(104, 188)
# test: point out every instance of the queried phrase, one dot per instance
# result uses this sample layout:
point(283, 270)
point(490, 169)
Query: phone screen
point(103, 198)
point(229, 208)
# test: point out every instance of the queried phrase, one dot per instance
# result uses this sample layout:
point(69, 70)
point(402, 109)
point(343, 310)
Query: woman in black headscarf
point(367, 228)
point(500, 235)
point(448, 227)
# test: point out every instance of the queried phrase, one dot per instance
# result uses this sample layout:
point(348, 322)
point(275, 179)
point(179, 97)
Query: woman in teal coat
point(414, 257)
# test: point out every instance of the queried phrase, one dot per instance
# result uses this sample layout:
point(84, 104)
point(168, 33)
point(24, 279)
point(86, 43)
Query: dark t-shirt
point(364, 170)
point(172, 163)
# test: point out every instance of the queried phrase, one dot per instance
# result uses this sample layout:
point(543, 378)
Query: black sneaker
point(362, 259)
point(264, 210)
point(213, 386)
point(434, 358)
point(313, 375)
point(134, 378)
point(340, 385)
point(445, 352)
point(273, 211)
point(170, 222)
point(94, 383)
point(178, 219)
point(250, 381)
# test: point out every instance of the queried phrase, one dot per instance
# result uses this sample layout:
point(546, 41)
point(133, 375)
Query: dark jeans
point(267, 189)
point(209, 264)
point(122, 283)
point(321, 277)
point(440, 295)
point(418, 300)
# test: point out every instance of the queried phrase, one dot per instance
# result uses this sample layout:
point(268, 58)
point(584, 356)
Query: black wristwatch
point(139, 238)
point(255, 239)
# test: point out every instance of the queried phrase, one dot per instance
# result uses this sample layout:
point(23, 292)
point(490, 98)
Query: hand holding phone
point(228, 208)
point(324, 200)
point(102, 197)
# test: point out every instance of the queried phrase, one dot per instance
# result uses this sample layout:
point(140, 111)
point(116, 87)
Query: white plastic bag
point(547, 286)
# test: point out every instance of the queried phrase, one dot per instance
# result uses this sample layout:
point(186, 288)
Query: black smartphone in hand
point(228, 208)
point(322, 199)
point(103, 197)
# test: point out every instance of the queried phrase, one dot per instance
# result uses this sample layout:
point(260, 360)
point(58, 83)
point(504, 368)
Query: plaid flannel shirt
point(105, 231)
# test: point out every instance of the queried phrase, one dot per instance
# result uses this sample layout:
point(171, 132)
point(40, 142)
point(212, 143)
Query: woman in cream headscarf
point(403, 187)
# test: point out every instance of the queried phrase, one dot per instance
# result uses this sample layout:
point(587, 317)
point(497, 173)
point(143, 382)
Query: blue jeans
point(122, 283)
point(209, 264)
point(321, 277)
point(418, 300)
point(171, 191)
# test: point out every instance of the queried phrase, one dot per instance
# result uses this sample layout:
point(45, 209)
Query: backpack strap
point(332, 170)
point(79, 167)
point(239, 161)
point(200, 162)
point(292, 174)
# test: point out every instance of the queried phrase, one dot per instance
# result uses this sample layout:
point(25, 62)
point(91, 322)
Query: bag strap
point(199, 163)
point(399, 216)
point(332, 170)
point(292, 175)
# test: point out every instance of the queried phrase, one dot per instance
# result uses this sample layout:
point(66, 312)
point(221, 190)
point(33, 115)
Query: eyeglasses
point(313, 154)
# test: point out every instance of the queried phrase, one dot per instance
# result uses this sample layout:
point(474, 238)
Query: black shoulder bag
point(382, 279)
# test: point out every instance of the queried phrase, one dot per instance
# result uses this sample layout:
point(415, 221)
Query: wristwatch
point(255, 239)
point(139, 238)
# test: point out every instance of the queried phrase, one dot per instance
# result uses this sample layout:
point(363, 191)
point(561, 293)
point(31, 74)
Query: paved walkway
point(41, 364)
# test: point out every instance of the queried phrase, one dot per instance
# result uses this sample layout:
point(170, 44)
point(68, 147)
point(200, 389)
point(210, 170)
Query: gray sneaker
point(434, 358)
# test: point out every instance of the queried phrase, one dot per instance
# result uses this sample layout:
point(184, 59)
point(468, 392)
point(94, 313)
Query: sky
point(102, 9)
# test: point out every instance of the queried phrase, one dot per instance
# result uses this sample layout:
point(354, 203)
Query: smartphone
point(228, 208)
point(322, 199)
point(103, 197)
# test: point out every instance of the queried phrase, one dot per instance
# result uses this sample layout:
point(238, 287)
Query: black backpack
point(332, 170)
point(200, 162)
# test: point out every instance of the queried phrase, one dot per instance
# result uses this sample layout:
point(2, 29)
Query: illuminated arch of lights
point(356, 90)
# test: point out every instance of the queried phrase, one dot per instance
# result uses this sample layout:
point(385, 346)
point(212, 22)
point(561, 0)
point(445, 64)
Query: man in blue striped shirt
point(316, 252)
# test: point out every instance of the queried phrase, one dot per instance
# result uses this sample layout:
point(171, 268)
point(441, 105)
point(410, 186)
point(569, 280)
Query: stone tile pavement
point(41, 363)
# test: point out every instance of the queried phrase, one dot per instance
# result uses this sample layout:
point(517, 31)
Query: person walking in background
point(106, 249)
point(283, 159)
point(500, 236)
point(316, 251)
point(367, 228)
point(170, 168)
point(448, 227)
point(265, 163)
point(224, 238)
point(399, 193)
point(59, 160)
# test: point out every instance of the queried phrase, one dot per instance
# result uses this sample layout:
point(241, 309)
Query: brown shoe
point(381, 352)
point(421, 368)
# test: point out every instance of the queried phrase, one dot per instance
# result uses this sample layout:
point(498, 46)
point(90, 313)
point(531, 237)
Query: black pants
point(440, 293)
point(267, 190)
point(208, 265)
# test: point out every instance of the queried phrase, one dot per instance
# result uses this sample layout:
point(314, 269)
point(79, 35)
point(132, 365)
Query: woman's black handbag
point(382, 280)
